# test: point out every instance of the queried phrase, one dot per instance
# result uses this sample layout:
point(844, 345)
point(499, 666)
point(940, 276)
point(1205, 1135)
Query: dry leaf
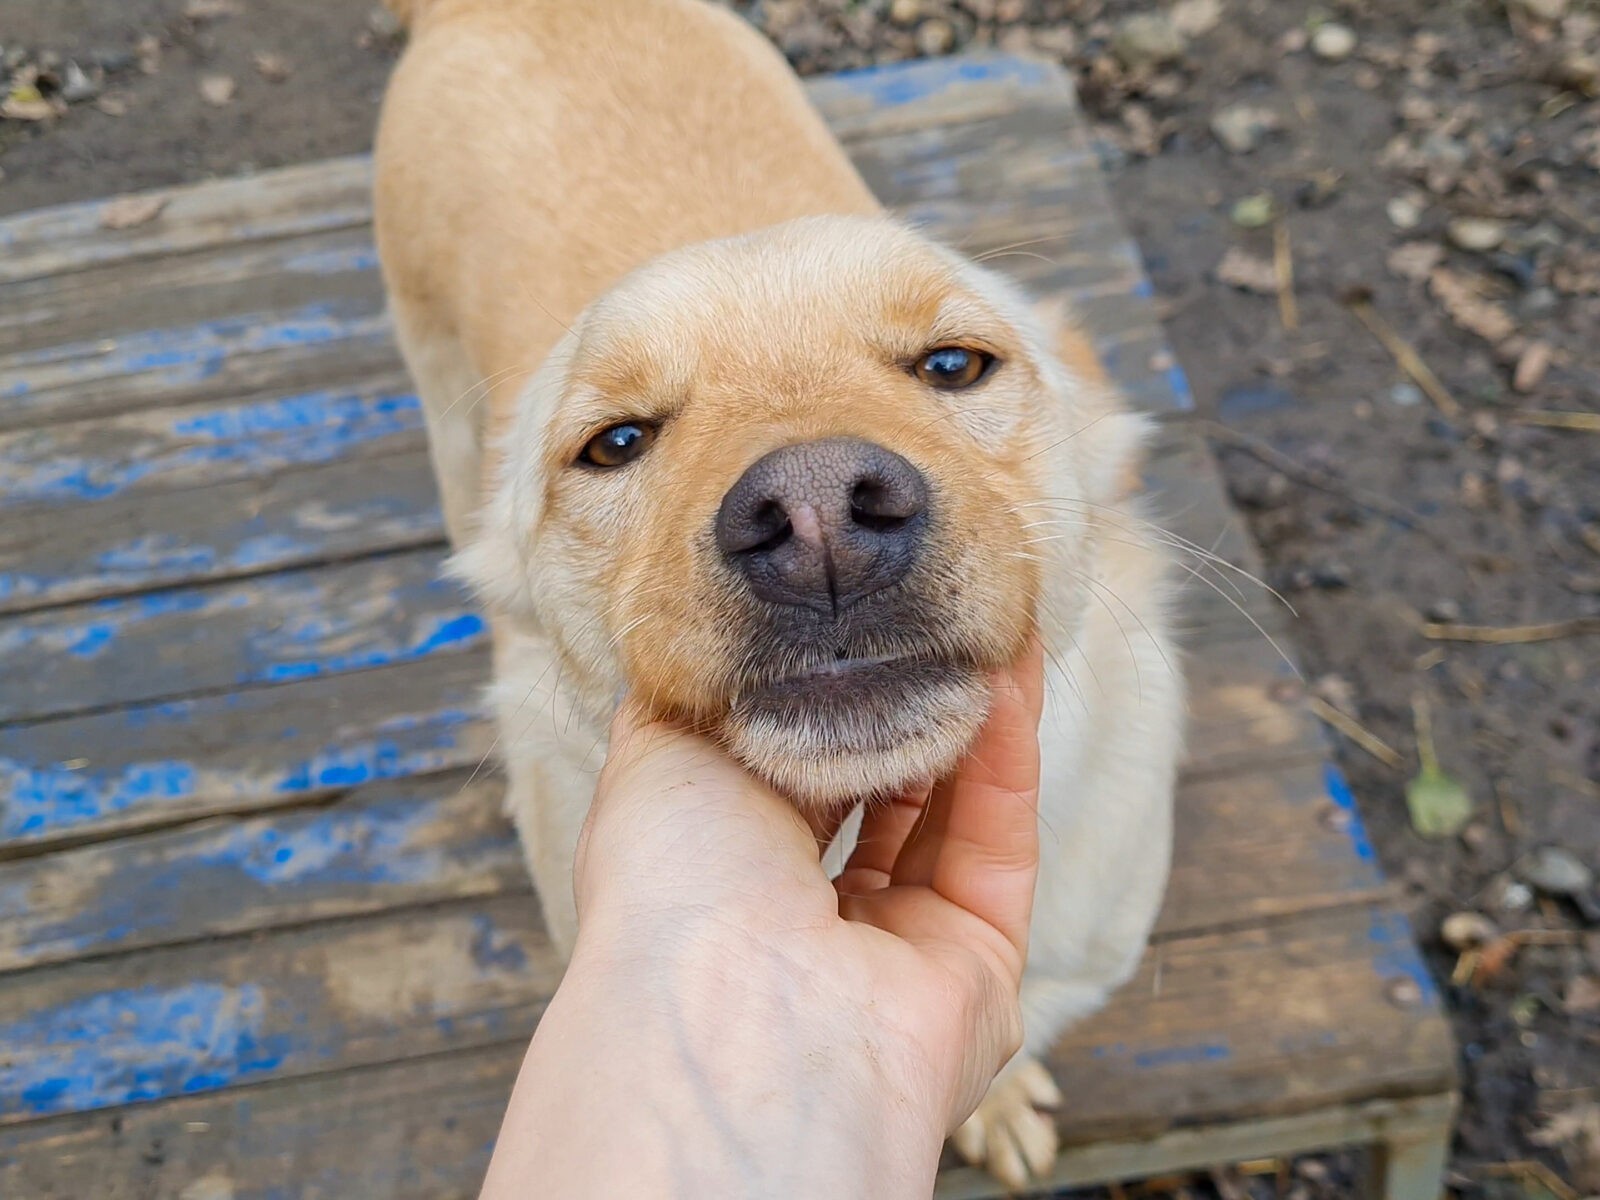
point(1196, 18)
point(127, 211)
point(1415, 260)
point(1495, 958)
point(1467, 307)
point(1248, 273)
point(217, 90)
point(25, 103)
point(211, 10)
point(1583, 995)
point(1577, 1133)
point(274, 68)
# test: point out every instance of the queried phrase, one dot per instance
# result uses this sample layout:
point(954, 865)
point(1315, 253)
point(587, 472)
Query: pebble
point(1445, 612)
point(1254, 212)
point(1333, 42)
point(1467, 931)
point(1404, 213)
point(1148, 40)
point(1548, 11)
point(905, 12)
point(1240, 127)
point(77, 85)
point(935, 37)
point(1405, 395)
point(1540, 302)
point(1476, 234)
point(1555, 871)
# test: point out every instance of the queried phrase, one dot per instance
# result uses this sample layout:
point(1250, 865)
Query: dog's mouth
point(847, 689)
point(850, 726)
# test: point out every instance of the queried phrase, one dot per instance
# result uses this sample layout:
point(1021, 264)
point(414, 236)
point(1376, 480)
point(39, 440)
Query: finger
point(979, 847)
point(884, 829)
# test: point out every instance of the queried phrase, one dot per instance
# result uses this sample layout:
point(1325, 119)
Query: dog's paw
point(1009, 1134)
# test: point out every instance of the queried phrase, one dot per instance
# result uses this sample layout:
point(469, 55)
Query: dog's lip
point(860, 678)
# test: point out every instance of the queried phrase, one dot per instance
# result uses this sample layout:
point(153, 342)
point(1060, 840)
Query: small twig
point(1537, 1171)
point(1406, 358)
point(1546, 937)
point(1512, 635)
point(1576, 782)
point(1578, 422)
point(1510, 819)
point(1283, 268)
point(1313, 477)
point(1357, 733)
point(1422, 715)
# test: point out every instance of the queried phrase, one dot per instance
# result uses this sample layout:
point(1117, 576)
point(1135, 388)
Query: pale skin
point(733, 1023)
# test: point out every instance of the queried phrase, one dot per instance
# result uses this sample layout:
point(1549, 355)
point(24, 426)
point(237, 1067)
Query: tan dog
point(779, 465)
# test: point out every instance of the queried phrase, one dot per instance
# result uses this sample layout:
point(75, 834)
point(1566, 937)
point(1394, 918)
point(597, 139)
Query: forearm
point(723, 1081)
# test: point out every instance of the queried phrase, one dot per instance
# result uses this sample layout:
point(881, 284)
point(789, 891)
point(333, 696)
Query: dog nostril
point(870, 508)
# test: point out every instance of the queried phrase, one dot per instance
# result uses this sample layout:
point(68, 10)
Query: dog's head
point(802, 489)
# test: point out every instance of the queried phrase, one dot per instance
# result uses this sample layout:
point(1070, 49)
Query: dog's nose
point(820, 525)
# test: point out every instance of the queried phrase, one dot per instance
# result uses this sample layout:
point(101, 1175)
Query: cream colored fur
point(625, 209)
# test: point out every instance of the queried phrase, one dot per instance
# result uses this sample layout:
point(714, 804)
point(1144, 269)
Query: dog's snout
point(823, 524)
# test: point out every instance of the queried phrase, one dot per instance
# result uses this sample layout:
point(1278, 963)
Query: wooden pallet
point(261, 936)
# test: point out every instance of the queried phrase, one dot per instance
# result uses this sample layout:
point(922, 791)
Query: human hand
point(733, 1020)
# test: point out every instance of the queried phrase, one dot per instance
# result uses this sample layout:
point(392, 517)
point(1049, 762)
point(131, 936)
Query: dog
point(710, 427)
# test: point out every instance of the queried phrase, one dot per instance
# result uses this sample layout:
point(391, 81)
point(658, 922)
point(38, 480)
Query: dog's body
point(625, 254)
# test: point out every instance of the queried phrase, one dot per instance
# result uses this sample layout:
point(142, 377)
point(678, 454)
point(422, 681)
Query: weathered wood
point(1260, 1024)
point(347, 508)
point(390, 845)
point(164, 449)
point(278, 628)
point(299, 1002)
point(149, 765)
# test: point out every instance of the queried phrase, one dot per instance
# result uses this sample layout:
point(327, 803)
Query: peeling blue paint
point(301, 430)
point(1157, 1057)
point(899, 84)
point(1394, 952)
point(1339, 792)
point(333, 262)
point(125, 1045)
point(50, 799)
point(456, 632)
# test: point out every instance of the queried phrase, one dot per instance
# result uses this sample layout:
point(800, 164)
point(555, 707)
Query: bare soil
point(1443, 110)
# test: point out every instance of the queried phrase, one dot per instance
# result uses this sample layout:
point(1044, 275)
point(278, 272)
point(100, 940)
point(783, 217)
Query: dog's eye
point(618, 446)
point(952, 367)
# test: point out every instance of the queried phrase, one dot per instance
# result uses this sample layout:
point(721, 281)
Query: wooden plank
point(164, 449)
point(1194, 1149)
point(390, 845)
point(1253, 1024)
point(151, 765)
point(335, 194)
point(1329, 1008)
point(1303, 843)
point(353, 506)
point(275, 629)
point(292, 200)
point(282, 274)
point(299, 1002)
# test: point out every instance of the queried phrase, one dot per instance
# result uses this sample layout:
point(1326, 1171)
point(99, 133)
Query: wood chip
point(1461, 298)
point(1357, 733)
point(1283, 270)
point(217, 90)
point(1532, 367)
point(125, 212)
point(1415, 260)
point(112, 106)
point(1243, 270)
point(1579, 422)
point(274, 68)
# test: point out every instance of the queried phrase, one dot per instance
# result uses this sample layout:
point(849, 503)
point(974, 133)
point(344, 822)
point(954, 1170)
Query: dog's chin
point(856, 728)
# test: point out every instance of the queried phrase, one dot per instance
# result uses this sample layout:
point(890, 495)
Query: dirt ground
point(1435, 162)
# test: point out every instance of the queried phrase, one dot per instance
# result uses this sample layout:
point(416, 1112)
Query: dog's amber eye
point(618, 446)
point(952, 367)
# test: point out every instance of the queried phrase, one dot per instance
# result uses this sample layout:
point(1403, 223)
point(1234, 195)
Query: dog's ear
point(1111, 440)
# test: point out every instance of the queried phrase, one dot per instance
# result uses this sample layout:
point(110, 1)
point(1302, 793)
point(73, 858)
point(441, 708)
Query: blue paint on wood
point(314, 427)
point(1394, 952)
point(121, 1046)
point(1157, 1057)
point(349, 260)
point(47, 799)
point(459, 631)
point(1339, 792)
point(899, 84)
